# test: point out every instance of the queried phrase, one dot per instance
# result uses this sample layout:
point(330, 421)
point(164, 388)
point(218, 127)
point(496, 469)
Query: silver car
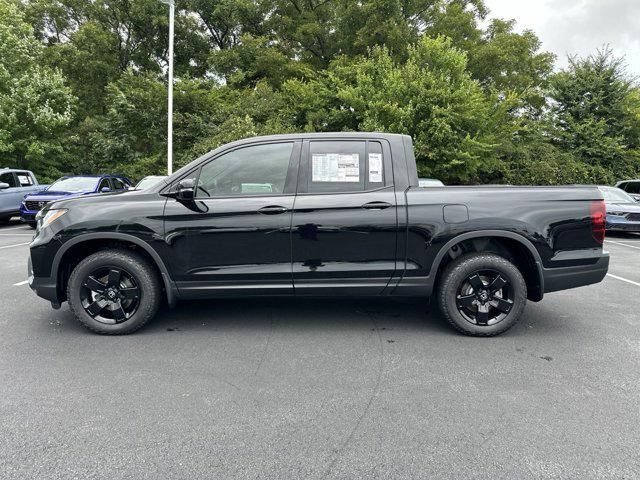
point(14, 185)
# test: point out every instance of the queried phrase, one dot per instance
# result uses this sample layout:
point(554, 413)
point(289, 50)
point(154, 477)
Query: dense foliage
point(83, 86)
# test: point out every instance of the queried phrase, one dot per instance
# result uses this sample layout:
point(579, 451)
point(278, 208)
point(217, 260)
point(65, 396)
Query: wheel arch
point(533, 272)
point(96, 241)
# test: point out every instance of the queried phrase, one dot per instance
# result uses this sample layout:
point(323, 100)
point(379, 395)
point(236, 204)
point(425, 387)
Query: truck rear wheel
point(114, 292)
point(482, 294)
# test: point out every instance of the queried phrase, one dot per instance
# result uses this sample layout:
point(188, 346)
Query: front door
point(345, 222)
point(234, 238)
point(11, 197)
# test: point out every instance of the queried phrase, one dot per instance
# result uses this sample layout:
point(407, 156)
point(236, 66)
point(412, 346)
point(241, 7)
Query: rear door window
point(118, 184)
point(345, 166)
point(632, 187)
point(25, 179)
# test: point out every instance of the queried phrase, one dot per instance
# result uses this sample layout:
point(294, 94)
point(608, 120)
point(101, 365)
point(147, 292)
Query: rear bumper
point(593, 270)
point(623, 227)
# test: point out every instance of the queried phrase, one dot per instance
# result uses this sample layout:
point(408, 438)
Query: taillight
point(598, 217)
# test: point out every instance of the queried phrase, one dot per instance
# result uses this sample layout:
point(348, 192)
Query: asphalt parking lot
point(279, 389)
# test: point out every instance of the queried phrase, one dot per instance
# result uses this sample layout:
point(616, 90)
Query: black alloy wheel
point(484, 297)
point(114, 291)
point(110, 295)
point(482, 294)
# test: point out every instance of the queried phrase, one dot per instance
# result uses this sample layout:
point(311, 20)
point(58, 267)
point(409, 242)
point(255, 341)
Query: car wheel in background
point(482, 294)
point(114, 292)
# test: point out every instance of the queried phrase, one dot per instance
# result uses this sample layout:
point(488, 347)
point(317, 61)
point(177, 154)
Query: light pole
point(170, 93)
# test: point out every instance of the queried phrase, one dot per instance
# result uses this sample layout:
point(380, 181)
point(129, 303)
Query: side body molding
point(169, 285)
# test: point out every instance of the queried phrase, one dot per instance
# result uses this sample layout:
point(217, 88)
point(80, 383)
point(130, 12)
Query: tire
point(470, 300)
point(112, 303)
point(5, 220)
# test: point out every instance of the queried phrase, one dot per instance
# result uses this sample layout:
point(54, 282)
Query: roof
point(7, 169)
point(94, 176)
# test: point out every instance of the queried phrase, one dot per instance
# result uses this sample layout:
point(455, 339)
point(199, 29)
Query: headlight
point(49, 217)
point(618, 214)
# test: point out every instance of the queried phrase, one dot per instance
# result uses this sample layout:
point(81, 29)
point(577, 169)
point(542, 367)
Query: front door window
point(257, 170)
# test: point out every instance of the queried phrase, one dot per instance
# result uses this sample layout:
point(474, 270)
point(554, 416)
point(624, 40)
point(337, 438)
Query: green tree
point(595, 113)
point(431, 97)
point(36, 105)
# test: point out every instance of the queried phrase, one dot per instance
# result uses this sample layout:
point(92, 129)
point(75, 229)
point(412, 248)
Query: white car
point(149, 181)
point(430, 182)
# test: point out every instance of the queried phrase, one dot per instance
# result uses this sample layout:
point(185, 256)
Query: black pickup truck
point(331, 214)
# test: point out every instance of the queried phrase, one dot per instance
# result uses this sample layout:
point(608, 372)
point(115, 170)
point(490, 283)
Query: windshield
point(615, 195)
point(147, 182)
point(74, 184)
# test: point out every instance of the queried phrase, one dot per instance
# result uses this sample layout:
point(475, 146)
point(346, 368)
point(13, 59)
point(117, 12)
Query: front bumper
point(44, 287)
point(580, 271)
point(28, 216)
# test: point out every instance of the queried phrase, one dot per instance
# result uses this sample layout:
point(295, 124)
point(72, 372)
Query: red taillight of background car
point(598, 217)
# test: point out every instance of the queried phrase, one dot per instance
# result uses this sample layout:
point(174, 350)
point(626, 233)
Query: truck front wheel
point(114, 292)
point(482, 294)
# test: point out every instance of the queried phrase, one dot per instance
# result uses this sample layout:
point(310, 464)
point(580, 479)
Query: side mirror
point(3, 185)
point(185, 190)
point(105, 190)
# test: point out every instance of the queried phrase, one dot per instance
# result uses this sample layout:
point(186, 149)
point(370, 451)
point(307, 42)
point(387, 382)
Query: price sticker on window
point(375, 168)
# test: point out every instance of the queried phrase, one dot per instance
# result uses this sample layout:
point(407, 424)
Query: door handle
point(376, 205)
point(272, 210)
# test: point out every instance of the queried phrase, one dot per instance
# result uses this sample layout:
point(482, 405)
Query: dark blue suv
point(69, 187)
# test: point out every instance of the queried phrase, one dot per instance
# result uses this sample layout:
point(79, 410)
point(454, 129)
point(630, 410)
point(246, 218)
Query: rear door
point(344, 225)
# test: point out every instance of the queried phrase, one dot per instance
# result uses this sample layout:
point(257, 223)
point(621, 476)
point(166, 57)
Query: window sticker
point(335, 167)
point(375, 167)
point(24, 180)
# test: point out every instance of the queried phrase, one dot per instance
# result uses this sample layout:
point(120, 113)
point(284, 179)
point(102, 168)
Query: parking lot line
point(24, 282)
point(14, 245)
point(623, 244)
point(623, 279)
point(15, 234)
point(21, 227)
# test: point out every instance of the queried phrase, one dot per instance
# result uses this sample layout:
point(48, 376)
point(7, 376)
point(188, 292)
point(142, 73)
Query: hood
point(623, 207)
point(48, 195)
